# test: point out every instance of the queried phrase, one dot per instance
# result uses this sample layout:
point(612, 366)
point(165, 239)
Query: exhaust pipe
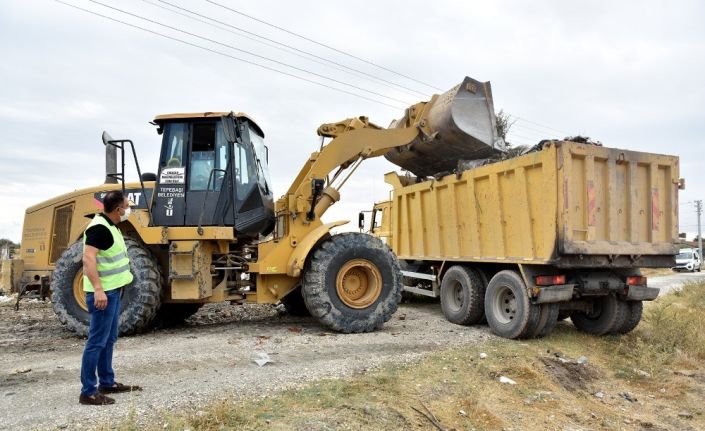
point(110, 160)
point(459, 124)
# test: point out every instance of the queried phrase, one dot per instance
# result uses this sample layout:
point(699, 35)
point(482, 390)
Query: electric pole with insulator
point(699, 211)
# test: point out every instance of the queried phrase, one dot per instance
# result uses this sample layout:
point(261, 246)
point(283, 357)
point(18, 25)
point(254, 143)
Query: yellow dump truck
point(558, 232)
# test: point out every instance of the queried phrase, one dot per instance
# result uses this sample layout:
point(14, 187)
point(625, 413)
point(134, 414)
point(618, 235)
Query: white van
point(688, 259)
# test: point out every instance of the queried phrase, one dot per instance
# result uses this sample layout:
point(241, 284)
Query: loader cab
point(213, 171)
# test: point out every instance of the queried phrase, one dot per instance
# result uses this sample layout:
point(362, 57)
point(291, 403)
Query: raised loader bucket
point(459, 124)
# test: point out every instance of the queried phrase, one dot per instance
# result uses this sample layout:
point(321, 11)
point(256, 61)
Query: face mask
point(124, 217)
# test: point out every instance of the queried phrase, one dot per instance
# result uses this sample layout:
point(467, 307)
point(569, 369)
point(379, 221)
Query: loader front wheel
point(352, 283)
point(139, 301)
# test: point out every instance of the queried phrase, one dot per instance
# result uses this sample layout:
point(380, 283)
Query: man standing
point(106, 271)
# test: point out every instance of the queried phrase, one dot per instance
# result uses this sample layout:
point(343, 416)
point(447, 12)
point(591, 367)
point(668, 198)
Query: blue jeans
point(102, 334)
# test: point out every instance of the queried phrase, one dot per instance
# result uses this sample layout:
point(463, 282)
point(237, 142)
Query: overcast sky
point(630, 74)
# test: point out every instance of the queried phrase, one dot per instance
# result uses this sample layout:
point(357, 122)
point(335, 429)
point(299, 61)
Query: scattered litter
point(22, 370)
point(6, 299)
point(402, 317)
point(462, 413)
point(563, 360)
point(262, 359)
point(483, 355)
point(642, 373)
point(629, 397)
point(685, 415)
point(599, 395)
point(503, 379)
point(582, 360)
point(686, 373)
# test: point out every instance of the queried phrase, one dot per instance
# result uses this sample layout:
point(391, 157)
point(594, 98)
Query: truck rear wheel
point(510, 313)
point(548, 319)
point(606, 316)
point(462, 296)
point(352, 283)
point(635, 310)
point(139, 301)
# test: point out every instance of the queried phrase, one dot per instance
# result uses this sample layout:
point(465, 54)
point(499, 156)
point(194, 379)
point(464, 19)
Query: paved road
point(675, 281)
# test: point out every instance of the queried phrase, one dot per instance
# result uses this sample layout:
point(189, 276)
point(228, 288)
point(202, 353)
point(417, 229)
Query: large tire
point(606, 316)
point(352, 283)
point(548, 319)
point(462, 296)
point(139, 301)
point(634, 313)
point(510, 313)
point(173, 314)
point(294, 303)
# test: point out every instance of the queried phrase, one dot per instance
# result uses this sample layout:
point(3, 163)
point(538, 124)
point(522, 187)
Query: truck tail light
point(636, 280)
point(549, 280)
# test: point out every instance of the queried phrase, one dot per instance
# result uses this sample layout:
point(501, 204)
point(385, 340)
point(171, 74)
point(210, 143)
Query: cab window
point(208, 157)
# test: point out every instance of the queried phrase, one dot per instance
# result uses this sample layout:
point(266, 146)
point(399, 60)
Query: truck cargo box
point(569, 204)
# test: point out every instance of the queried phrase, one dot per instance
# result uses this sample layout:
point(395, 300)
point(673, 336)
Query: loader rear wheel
point(294, 303)
point(606, 315)
point(78, 294)
point(352, 283)
point(510, 313)
point(462, 296)
point(139, 300)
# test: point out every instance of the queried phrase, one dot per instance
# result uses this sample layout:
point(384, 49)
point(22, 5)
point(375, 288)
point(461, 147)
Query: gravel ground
point(209, 358)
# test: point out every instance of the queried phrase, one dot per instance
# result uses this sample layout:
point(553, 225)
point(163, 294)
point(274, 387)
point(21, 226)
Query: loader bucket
point(459, 124)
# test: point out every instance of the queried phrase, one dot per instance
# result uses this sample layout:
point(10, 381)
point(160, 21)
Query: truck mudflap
point(547, 294)
point(641, 293)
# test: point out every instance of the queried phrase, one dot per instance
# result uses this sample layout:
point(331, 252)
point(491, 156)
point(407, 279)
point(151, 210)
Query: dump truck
point(526, 241)
point(206, 228)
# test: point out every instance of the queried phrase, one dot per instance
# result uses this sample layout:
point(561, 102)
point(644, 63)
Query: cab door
point(206, 174)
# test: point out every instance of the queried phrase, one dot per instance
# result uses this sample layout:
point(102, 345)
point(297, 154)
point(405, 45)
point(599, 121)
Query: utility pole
point(699, 211)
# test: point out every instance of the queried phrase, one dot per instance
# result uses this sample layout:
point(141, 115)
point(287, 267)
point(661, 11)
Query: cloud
point(631, 74)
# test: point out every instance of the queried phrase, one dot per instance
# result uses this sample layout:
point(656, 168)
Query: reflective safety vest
point(113, 264)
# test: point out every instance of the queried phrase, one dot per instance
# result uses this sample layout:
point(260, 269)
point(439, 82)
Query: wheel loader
point(206, 228)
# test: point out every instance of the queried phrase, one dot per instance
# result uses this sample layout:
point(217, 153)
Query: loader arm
point(354, 140)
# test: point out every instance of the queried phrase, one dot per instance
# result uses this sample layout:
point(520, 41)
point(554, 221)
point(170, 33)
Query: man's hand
point(100, 299)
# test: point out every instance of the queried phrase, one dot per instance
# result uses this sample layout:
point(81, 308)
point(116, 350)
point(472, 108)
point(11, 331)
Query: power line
point(321, 44)
point(537, 124)
point(247, 52)
point(214, 51)
point(533, 130)
point(278, 45)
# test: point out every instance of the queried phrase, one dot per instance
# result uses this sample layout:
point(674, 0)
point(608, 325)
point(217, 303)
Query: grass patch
point(463, 391)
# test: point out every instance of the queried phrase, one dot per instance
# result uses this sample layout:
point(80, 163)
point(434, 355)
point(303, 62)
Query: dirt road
point(209, 359)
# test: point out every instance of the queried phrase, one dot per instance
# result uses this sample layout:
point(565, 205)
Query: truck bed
point(569, 204)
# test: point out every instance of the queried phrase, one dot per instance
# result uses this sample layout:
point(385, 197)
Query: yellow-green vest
point(113, 264)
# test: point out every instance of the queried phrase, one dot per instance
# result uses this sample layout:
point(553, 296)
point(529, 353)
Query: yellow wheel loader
point(206, 228)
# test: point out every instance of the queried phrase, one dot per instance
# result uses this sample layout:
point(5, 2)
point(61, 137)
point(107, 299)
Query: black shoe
point(95, 400)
